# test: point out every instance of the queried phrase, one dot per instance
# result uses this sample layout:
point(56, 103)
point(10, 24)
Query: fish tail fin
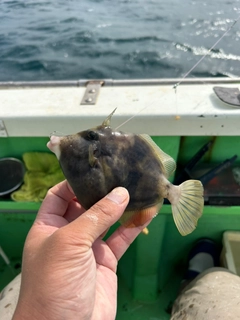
point(187, 205)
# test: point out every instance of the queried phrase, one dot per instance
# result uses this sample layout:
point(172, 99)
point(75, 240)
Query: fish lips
point(54, 145)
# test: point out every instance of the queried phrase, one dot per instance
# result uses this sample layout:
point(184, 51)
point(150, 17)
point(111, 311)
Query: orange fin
point(132, 219)
point(145, 231)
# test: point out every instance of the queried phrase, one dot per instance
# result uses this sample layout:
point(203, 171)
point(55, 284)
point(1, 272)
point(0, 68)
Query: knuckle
point(125, 238)
point(102, 209)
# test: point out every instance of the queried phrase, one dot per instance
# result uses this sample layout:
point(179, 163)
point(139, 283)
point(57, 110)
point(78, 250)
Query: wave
point(15, 4)
point(201, 51)
point(134, 39)
point(148, 59)
point(20, 51)
point(43, 39)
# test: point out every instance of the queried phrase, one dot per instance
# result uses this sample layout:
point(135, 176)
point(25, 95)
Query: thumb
point(102, 215)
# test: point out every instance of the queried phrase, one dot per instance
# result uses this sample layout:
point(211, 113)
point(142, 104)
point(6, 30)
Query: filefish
point(97, 160)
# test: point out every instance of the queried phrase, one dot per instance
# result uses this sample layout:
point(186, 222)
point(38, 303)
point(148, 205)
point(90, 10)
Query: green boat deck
point(151, 270)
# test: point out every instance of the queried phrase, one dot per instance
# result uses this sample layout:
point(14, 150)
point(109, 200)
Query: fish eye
point(92, 135)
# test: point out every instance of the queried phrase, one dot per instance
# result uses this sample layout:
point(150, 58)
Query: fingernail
point(118, 195)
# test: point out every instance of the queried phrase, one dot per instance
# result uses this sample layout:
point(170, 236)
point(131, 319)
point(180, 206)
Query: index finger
point(56, 203)
point(96, 220)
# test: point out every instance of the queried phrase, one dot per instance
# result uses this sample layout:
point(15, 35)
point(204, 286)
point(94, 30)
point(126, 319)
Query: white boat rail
point(156, 108)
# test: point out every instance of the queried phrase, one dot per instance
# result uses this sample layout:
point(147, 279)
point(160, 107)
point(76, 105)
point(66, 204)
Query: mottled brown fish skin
point(118, 159)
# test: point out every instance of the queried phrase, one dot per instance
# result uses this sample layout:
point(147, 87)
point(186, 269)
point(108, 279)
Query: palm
point(100, 262)
point(67, 265)
point(100, 284)
point(106, 290)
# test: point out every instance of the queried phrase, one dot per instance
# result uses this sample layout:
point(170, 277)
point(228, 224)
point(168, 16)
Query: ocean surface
point(122, 39)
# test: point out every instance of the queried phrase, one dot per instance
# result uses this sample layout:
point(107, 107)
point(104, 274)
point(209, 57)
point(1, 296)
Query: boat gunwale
point(123, 82)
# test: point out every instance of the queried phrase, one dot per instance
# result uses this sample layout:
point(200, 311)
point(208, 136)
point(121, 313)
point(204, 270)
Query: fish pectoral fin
point(187, 205)
point(132, 219)
point(91, 158)
point(168, 162)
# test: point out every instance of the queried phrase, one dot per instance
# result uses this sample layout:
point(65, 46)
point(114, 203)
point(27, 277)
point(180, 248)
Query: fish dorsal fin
point(168, 163)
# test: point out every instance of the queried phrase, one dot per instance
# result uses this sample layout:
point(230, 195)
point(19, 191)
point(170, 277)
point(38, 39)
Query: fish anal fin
point(145, 231)
point(167, 161)
point(132, 219)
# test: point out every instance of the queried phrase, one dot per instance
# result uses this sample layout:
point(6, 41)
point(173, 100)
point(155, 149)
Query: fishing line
point(161, 97)
point(177, 117)
point(201, 59)
point(176, 85)
point(207, 53)
point(129, 119)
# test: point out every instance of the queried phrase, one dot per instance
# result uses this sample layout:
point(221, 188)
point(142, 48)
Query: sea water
point(122, 39)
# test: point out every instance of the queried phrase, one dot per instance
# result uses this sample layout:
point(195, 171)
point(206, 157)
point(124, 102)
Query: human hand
point(68, 271)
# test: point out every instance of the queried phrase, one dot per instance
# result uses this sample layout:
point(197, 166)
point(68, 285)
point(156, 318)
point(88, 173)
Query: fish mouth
point(54, 145)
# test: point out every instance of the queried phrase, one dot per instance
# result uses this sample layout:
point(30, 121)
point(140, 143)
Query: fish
point(97, 160)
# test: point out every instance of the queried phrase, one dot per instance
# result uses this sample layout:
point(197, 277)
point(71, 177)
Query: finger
point(115, 246)
point(95, 221)
point(104, 233)
point(56, 203)
point(74, 210)
point(121, 239)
